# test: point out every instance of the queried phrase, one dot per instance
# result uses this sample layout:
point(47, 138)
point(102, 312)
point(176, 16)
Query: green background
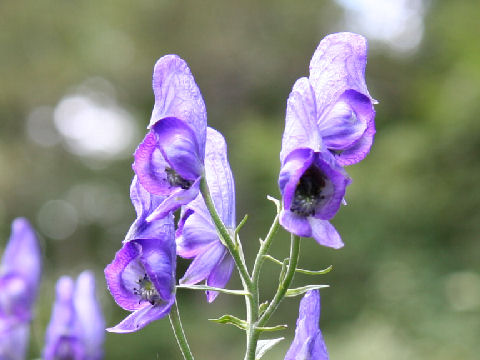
point(405, 286)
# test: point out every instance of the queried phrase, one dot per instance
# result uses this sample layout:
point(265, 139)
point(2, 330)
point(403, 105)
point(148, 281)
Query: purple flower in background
point(141, 278)
point(76, 329)
point(308, 343)
point(344, 111)
point(20, 272)
point(196, 234)
point(169, 161)
point(311, 182)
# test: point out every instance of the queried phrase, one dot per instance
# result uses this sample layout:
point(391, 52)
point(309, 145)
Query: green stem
point(264, 247)
point(284, 283)
point(223, 232)
point(178, 331)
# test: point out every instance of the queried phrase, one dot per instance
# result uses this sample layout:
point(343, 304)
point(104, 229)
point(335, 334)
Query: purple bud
point(20, 271)
point(76, 329)
point(308, 343)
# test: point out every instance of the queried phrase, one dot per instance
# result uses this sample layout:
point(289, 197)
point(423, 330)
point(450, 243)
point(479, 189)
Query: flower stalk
point(177, 327)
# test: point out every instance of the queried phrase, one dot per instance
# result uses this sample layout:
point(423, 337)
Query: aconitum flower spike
point(311, 181)
point(343, 106)
point(169, 161)
point(76, 329)
point(196, 235)
point(20, 271)
point(308, 343)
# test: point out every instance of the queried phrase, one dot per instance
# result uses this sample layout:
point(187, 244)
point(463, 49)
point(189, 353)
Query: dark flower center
point(176, 180)
point(146, 290)
point(308, 193)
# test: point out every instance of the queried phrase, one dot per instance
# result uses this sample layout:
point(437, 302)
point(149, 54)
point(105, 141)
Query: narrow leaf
point(232, 320)
point(264, 345)
point(211, 288)
point(272, 328)
point(303, 290)
point(261, 309)
point(302, 271)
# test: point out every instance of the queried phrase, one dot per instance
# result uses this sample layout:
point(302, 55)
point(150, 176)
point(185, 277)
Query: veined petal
point(142, 317)
point(203, 264)
point(220, 275)
point(176, 199)
point(179, 147)
point(158, 257)
point(219, 177)
point(177, 95)
point(325, 233)
point(341, 126)
point(300, 120)
point(150, 166)
point(337, 65)
point(117, 275)
point(89, 315)
point(195, 232)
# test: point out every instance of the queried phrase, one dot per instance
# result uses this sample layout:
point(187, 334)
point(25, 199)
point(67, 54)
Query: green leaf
point(264, 345)
point(303, 290)
point(303, 271)
point(232, 320)
point(272, 328)
point(261, 309)
point(211, 288)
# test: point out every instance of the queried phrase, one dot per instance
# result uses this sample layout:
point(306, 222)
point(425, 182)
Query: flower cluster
point(169, 163)
point(77, 328)
point(20, 272)
point(329, 124)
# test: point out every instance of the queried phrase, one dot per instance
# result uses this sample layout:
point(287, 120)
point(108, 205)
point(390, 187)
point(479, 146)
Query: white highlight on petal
point(398, 23)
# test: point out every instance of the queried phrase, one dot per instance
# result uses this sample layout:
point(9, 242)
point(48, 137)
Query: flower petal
point(178, 198)
point(337, 65)
point(158, 257)
point(150, 165)
point(89, 315)
point(325, 233)
point(308, 342)
point(194, 233)
point(220, 275)
point(293, 167)
point(177, 95)
point(203, 264)
point(295, 224)
point(219, 177)
point(300, 120)
point(178, 144)
point(14, 345)
point(121, 275)
point(142, 317)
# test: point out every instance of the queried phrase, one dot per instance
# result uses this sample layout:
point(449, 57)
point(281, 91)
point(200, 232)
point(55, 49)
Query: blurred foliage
point(407, 283)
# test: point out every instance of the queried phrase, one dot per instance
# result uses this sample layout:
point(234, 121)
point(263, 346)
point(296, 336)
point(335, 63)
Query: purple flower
point(20, 272)
point(311, 181)
point(196, 234)
point(308, 343)
point(76, 329)
point(169, 161)
point(343, 108)
point(141, 278)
